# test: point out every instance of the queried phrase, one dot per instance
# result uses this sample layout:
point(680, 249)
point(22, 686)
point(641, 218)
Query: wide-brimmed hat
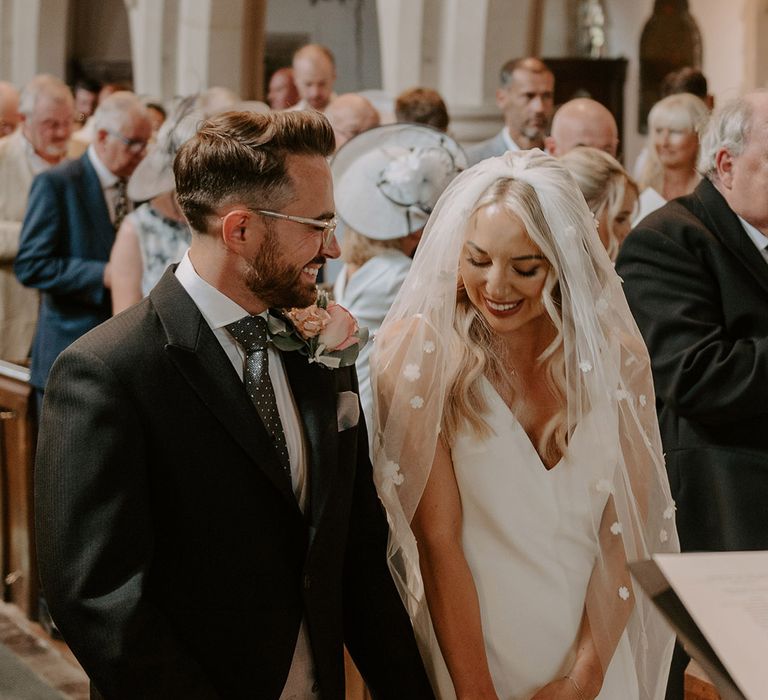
point(154, 175)
point(388, 179)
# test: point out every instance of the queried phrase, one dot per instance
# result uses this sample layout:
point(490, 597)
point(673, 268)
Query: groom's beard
point(276, 282)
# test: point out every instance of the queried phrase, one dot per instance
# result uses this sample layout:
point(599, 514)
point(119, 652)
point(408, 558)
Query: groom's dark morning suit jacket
point(698, 288)
point(172, 551)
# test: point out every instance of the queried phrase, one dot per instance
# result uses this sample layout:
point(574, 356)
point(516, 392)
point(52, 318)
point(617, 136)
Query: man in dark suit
point(73, 212)
point(207, 521)
point(526, 98)
point(696, 277)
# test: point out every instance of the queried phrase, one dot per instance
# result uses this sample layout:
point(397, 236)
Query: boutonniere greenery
point(325, 332)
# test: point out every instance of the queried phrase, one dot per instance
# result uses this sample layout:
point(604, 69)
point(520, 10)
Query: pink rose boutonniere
point(325, 332)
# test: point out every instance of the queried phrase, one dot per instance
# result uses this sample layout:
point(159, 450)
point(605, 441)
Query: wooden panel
point(697, 685)
point(602, 79)
point(17, 443)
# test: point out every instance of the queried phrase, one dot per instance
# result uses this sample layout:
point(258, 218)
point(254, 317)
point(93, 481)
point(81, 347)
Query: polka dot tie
point(251, 334)
point(120, 202)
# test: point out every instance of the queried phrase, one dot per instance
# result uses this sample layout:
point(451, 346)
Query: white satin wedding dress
point(528, 539)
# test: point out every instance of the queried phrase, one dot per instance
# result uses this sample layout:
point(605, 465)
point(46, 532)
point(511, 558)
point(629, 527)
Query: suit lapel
point(314, 391)
point(721, 220)
point(196, 352)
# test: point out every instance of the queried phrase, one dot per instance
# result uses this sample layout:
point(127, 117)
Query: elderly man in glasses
point(208, 523)
point(73, 213)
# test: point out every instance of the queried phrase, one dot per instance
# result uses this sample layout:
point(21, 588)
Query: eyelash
point(523, 273)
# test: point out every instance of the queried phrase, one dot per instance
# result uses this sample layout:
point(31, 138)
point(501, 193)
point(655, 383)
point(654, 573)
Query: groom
point(207, 523)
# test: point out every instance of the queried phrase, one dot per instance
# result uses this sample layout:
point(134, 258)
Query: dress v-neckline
point(528, 440)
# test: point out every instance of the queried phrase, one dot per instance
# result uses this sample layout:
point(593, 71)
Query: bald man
point(525, 97)
point(583, 122)
point(314, 72)
point(9, 108)
point(351, 114)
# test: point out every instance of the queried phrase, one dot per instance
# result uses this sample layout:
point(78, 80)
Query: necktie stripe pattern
point(250, 333)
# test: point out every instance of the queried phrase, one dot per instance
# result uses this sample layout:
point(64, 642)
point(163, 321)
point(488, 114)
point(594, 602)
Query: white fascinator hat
point(387, 180)
point(154, 175)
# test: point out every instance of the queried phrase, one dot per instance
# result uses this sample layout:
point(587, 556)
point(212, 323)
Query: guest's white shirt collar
point(508, 142)
point(217, 308)
point(36, 164)
point(106, 177)
point(760, 240)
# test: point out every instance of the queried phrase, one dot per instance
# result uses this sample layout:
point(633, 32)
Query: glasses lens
point(328, 233)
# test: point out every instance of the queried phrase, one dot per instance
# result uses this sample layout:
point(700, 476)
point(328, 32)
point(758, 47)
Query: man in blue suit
point(73, 213)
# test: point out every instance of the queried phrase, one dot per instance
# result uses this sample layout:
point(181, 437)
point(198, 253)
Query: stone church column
point(37, 40)
point(209, 45)
point(145, 19)
point(400, 38)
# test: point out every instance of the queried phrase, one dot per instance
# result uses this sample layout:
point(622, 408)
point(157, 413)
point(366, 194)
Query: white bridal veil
point(606, 368)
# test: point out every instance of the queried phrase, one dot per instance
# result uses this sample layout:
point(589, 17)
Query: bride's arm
point(450, 589)
point(597, 642)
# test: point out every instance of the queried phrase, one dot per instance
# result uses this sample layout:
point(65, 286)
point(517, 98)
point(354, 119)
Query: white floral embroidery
point(643, 400)
point(601, 305)
point(570, 231)
point(428, 347)
point(621, 395)
point(604, 486)
point(391, 471)
point(669, 513)
point(417, 402)
point(624, 593)
point(630, 360)
point(585, 366)
point(616, 528)
point(663, 535)
point(411, 372)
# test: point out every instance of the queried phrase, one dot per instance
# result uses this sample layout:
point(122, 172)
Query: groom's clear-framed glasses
point(328, 226)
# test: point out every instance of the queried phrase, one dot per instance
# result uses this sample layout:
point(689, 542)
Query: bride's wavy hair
point(473, 343)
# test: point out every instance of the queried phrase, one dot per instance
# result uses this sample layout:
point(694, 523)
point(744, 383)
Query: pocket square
point(347, 410)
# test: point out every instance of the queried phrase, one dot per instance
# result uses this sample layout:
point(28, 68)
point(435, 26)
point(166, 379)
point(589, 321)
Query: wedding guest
point(386, 182)
point(610, 192)
point(421, 105)
point(517, 450)
point(526, 98)
point(282, 92)
point(671, 166)
point(696, 277)
point(155, 234)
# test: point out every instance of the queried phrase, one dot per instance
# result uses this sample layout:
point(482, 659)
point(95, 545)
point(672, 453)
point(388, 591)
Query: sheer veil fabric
point(607, 369)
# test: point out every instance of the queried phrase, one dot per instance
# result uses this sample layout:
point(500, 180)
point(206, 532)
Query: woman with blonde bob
point(610, 192)
point(517, 450)
point(673, 125)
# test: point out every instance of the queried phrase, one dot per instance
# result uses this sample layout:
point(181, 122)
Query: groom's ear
point(237, 230)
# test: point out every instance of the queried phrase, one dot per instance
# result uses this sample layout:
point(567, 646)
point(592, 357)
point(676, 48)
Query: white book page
point(726, 594)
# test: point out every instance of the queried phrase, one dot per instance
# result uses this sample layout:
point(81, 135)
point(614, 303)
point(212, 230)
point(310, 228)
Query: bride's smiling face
point(503, 270)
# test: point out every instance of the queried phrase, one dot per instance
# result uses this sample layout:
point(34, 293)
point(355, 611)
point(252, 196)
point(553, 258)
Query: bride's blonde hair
point(473, 344)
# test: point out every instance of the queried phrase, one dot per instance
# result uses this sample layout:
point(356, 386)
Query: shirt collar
point(508, 142)
point(36, 164)
point(217, 308)
point(106, 177)
point(758, 238)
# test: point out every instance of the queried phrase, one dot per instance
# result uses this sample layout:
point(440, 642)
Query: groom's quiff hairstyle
point(240, 157)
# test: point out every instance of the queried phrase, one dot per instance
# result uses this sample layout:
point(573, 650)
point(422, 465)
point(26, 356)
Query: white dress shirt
point(508, 142)
point(219, 310)
point(108, 181)
point(760, 240)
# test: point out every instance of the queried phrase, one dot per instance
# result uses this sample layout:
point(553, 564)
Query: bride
point(517, 450)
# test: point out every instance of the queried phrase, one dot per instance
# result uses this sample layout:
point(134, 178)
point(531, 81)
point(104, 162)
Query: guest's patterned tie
point(250, 333)
point(120, 202)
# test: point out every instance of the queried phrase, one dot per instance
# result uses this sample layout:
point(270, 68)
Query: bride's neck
point(520, 351)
